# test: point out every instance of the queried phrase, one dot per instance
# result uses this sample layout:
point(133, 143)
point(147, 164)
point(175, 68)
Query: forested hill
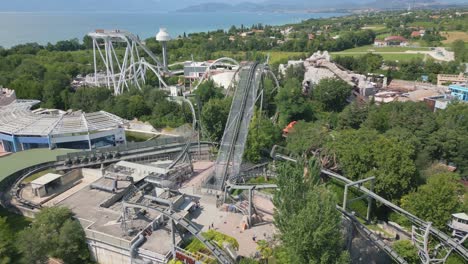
point(314, 6)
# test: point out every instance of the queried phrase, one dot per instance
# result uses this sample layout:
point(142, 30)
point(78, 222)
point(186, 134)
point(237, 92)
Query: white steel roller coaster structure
point(120, 72)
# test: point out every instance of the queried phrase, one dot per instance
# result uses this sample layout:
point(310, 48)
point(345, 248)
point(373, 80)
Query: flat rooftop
point(47, 178)
point(106, 221)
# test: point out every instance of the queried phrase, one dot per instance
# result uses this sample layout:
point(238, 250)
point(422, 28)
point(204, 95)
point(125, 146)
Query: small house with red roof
point(396, 41)
point(391, 41)
point(418, 33)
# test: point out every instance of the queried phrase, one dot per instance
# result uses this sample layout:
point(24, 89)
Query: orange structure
point(288, 128)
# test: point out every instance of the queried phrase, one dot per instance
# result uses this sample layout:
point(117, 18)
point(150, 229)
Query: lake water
point(18, 28)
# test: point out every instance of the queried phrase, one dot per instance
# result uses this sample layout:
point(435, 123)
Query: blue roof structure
point(459, 92)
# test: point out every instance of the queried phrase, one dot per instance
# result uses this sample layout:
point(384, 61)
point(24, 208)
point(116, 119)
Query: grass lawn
point(275, 56)
point(15, 221)
point(402, 57)
point(383, 49)
point(23, 159)
point(374, 27)
point(454, 35)
point(387, 57)
point(424, 24)
point(138, 136)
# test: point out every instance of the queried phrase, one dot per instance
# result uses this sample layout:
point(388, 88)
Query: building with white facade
point(23, 129)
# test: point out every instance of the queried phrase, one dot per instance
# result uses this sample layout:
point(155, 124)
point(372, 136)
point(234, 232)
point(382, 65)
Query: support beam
point(369, 198)
point(250, 206)
point(173, 237)
point(369, 202)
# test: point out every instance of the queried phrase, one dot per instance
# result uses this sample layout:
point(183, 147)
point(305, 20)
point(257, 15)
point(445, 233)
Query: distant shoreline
point(44, 27)
point(340, 12)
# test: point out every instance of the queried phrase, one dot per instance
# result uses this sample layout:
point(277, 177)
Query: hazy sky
point(168, 5)
point(8, 5)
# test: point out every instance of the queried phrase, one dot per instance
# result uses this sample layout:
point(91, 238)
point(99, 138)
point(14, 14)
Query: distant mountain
point(307, 5)
point(95, 5)
point(223, 7)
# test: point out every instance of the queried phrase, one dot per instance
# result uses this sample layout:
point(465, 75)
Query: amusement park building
point(23, 129)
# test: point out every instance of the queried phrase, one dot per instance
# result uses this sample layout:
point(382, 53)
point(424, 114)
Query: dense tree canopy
point(7, 243)
point(364, 153)
point(292, 104)
point(214, 117)
point(306, 136)
point(306, 217)
point(407, 250)
point(332, 94)
point(207, 90)
point(263, 134)
point(442, 192)
point(54, 233)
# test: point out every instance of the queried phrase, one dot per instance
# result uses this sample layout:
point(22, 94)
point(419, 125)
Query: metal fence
point(124, 148)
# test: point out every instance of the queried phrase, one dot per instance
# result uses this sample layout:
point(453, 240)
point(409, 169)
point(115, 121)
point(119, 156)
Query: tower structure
point(163, 37)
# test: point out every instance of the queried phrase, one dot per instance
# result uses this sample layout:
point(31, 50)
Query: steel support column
point(251, 190)
point(369, 199)
point(173, 230)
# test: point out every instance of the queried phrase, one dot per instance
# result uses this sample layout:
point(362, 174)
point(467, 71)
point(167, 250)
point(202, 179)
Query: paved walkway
point(226, 222)
point(85, 181)
point(230, 224)
point(202, 169)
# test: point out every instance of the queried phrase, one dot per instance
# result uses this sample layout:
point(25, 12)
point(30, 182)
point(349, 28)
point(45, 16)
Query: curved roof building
point(22, 129)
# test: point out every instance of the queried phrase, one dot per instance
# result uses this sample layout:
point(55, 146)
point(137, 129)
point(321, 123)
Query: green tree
point(214, 117)
point(265, 249)
point(137, 107)
point(408, 251)
point(31, 249)
point(332, 93)
point(27, 88)
point(54, 83)
point(248, 261)
point(369, 62)
point(207, 90)
point(292, 104)
point(353, 149)
point(89, 99)
point(306, 216)
point(436, 200)
point(306, 136)
point(353, 115)
point(461, 53)
point(394, 170)
point(7, 240)
point(72, 243)
point(261, 138)
point(296, 72)
point(54, 233)
point(364, 153)
point(415, 117)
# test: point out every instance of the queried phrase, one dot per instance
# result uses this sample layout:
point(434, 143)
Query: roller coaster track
point(441, 236)
point(227, 166)
point(188, 225)
point(208, 69)
point(366, 232)
point(235, 134)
